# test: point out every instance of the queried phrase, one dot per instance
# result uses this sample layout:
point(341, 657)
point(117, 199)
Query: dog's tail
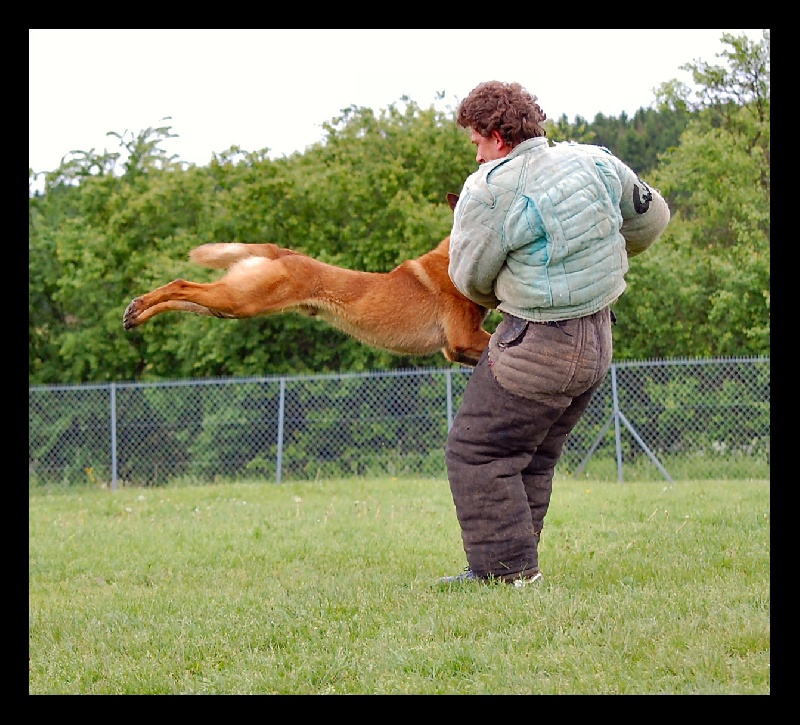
point(219, 256)
point(223, 254)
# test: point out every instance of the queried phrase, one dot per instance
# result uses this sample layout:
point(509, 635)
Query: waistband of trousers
point(556, 323)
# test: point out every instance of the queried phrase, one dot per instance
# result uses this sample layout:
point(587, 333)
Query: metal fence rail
point(660, 420)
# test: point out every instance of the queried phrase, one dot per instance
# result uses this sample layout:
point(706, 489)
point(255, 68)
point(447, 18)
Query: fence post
point(617, 431)
point(281, 403)
point(449, 378)
point(113, 437)
point(617, 417)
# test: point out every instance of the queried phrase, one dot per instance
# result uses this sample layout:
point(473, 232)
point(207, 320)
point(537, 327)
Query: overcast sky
point(275, 88)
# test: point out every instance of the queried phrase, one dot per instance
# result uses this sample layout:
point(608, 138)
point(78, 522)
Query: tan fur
point(415, 309)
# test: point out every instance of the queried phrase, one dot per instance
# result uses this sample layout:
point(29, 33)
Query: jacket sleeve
point(476, 250)
point(645, 214)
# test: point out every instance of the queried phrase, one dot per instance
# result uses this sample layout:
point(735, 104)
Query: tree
point(703, 290)
point(110, 226)
point(369, 197)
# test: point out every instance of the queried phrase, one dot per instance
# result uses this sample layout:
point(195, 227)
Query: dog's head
point(452, 200)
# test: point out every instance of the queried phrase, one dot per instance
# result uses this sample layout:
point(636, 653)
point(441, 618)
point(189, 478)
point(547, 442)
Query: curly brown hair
point(503, 107)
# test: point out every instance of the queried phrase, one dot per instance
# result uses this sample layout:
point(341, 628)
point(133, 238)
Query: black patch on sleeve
point(642, 204)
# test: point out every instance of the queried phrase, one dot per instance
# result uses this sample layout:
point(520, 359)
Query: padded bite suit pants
point(525, 395)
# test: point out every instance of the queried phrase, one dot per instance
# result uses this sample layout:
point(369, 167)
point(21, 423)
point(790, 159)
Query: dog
point(414, 310)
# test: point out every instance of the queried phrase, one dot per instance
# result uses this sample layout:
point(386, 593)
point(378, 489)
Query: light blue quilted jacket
point(538, 234)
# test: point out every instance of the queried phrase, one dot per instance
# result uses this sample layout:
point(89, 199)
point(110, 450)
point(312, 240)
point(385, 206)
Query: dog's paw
point(130, 318)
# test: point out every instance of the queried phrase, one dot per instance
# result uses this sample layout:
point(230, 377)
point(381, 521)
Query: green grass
point(329, 587)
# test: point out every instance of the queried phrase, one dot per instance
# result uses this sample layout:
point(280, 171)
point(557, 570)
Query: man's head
point(501, 116)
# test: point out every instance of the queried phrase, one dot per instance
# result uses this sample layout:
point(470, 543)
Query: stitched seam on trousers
point(597, 333)
point(577, 350)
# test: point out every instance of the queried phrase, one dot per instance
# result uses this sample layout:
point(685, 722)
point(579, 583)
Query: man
point(543, 234)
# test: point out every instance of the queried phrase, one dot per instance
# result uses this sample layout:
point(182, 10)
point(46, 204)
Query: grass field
point(329, 587)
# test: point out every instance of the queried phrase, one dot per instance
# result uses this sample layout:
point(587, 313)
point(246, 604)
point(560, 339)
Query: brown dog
point(415, 309)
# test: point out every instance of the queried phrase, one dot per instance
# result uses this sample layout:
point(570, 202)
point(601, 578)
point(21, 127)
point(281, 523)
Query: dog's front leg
point(470, 353)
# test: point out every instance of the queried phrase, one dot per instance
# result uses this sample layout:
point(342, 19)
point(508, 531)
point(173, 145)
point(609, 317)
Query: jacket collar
point(527, 145)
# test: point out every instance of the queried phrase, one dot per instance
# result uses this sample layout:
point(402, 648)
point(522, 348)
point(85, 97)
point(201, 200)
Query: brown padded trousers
point(523, 398)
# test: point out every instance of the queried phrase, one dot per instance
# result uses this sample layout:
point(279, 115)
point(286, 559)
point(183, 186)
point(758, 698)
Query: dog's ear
point(452, 200)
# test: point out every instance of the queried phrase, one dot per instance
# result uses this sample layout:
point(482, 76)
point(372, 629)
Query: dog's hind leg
point(172, 296)
point(133, 317)
point(215, 299)
point(254, 286)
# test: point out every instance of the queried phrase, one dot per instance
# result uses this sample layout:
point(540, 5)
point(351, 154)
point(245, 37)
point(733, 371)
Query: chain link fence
point(664, 420)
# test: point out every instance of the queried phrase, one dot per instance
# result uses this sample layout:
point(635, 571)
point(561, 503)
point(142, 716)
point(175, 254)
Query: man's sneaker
point(465, 576)
point(524, 580)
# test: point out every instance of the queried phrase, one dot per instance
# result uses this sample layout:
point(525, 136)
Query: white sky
point(275, 88)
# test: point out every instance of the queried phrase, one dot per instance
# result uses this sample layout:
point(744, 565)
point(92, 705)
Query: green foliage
point(639, 141)
point(99, 237)
point(110, 226)
point(704, 289)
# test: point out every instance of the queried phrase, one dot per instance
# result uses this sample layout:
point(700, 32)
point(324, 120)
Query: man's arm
point(645, 214)
point(476, 252)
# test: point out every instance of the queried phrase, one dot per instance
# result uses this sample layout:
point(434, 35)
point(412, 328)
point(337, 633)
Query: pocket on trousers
point(510, 330)
point(530, 360)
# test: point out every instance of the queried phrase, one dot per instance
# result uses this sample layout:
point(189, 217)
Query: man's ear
point(498, 139)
